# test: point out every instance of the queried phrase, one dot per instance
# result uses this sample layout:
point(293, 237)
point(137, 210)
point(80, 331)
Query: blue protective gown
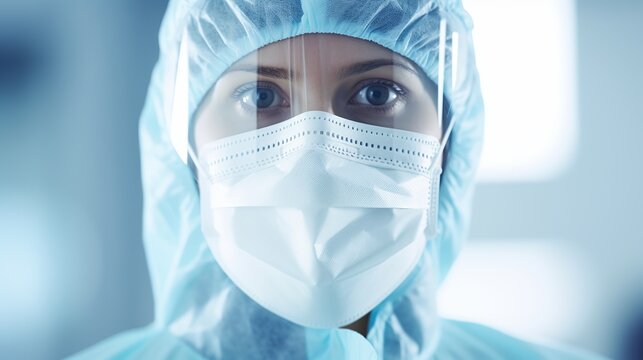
point(199, 312)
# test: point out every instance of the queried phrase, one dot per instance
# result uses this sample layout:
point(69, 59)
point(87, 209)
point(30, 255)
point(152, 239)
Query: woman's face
point(351, 78)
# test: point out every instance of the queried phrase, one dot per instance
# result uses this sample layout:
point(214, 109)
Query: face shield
point(352, 78)
point(318, 159)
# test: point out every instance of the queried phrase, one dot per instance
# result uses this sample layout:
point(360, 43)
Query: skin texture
point(318, 72)
point(323, 72)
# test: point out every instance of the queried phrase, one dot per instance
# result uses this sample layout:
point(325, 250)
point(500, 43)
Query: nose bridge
point(310, 92)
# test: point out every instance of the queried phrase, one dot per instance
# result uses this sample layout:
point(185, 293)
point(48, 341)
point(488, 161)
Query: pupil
point(377, 94)
point(264, 98)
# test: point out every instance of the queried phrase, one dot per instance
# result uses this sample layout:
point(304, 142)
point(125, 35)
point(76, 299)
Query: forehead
point(328, 51)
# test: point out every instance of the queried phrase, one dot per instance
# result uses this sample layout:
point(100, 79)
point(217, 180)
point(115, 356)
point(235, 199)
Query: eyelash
point(240, 91)
point(400, 91)
point(249, 86)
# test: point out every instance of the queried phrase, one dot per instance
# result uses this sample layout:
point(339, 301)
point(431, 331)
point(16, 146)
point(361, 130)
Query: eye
point(376, 95)
point(261, 97)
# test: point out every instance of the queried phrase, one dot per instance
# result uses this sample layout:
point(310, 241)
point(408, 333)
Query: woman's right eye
point(261, 98)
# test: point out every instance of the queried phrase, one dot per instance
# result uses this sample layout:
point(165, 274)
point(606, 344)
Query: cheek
point(422, 117)
point(220, 116)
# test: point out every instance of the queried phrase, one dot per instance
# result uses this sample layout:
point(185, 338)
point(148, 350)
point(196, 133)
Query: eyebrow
point(350, 70)
point(269, 71)
point(362, 67)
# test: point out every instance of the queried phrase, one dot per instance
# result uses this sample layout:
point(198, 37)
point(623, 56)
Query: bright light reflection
point(529, 288)
point(23, 276)
point(526, 55)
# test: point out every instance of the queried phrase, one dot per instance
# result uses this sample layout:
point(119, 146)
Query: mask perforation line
point(423, 170)
point(334, 149)
point(333, 121)
point(331, 134)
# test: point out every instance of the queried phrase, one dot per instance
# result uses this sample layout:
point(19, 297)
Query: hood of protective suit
point(194, 299)
point(199, 312)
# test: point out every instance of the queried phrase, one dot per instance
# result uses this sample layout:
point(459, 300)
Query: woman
point(300, 197)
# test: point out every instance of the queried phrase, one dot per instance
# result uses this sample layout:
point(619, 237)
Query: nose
point(312, 97)
point(312, 91)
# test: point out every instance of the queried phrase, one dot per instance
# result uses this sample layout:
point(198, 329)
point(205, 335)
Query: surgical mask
point(319, 218)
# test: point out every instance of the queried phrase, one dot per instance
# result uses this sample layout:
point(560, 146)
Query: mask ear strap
point(199, 167)
point(441, 71)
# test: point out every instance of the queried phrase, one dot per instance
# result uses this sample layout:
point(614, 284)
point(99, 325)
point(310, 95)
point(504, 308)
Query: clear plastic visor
point(352, 78)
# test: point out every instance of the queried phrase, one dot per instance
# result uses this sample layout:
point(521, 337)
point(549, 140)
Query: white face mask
point(319, 218)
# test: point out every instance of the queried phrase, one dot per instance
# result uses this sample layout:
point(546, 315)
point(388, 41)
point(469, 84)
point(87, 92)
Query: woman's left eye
point(261, 98)
point(376, 95)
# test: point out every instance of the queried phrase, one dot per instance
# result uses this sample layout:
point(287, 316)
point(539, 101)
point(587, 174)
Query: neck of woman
point(360, 326)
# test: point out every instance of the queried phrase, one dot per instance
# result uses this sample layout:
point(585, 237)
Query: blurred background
point(555, 253)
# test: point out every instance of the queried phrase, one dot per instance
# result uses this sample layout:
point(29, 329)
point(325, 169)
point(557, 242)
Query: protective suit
point(199, 311)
